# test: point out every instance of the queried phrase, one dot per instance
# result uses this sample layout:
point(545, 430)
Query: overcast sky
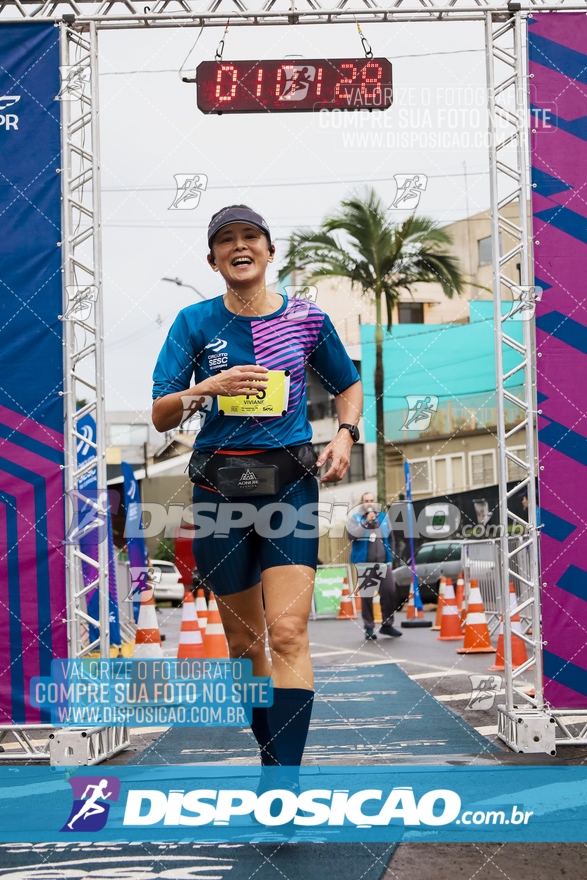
point(292, 168)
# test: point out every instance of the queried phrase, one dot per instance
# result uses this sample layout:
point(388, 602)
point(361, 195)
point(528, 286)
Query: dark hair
point(248, 208)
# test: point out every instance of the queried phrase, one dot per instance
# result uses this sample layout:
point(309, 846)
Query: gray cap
point(236, 215)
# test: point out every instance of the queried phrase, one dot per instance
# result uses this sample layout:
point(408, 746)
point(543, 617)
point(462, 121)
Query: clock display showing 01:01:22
point(289, 85)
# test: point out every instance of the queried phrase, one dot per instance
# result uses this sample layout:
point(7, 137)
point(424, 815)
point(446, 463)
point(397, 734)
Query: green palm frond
point(381, 257)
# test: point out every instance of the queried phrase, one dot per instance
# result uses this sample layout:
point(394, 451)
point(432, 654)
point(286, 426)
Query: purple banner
point(558, 96)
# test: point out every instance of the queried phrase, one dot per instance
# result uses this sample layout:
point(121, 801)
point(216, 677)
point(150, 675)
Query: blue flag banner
point(89, 540)
point(33, 605)
point(334, 804)
point(137, 552)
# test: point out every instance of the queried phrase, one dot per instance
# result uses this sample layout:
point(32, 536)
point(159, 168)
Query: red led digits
point(374, 79)
point(286, 86)
point(347, 81)
point(319, 82)
point(219, 83)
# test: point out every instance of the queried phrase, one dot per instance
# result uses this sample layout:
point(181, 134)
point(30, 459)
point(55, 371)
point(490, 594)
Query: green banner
point(328, 588)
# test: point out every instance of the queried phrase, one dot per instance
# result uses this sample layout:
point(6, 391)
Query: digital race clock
point(289, 85)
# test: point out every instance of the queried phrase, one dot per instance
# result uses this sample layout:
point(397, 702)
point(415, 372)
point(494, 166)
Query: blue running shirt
point(206, 337)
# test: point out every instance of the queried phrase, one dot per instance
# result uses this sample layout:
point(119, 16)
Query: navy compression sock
point(289, 720)
point(260, 728)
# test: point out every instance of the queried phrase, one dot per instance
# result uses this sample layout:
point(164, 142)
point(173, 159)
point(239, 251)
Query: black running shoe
point(390, 631)
point(370, 635)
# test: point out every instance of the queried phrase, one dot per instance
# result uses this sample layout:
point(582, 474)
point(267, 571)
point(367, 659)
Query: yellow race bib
point(271, 401)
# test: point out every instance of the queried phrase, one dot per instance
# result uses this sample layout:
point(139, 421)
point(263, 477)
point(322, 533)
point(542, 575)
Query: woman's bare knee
point(288, 636)
point(240, 645)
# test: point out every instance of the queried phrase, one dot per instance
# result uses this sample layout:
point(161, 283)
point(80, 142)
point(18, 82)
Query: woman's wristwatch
point(353, 431)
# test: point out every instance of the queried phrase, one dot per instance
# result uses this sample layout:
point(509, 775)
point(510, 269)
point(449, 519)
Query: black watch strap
point(353, 431)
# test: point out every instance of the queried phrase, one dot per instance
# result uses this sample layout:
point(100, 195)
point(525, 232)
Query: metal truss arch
point(194, 13)
point(509, 184)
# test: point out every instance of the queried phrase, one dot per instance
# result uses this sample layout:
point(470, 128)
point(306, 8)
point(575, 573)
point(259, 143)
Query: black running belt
point(236, 474)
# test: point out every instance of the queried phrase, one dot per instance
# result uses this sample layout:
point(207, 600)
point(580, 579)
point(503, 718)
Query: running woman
point(246, 351)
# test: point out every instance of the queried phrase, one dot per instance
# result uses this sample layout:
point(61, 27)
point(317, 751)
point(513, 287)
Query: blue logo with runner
point(90, 802)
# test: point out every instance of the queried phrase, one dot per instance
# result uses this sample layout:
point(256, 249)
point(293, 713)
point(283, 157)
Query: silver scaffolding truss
point(509, 162)
point(524, 724)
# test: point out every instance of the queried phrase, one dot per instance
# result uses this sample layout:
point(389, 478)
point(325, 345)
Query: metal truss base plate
point(527, 732)
point(84, 747)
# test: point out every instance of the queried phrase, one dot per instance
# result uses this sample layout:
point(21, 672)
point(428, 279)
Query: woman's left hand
point(339, 450)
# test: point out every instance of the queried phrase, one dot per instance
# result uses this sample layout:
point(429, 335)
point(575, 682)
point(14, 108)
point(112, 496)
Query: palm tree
point(381, 257)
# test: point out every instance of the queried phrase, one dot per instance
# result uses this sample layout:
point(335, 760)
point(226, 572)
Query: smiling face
point(241, 253)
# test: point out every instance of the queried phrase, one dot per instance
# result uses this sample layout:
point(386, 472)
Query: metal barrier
point(481, 563)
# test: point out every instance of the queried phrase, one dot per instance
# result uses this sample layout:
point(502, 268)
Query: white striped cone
point(191, 644)
point(450, 627)
point(460, 592)
point(441, 588)
point(477, 639)
point(411, 611)
point(519, 654)
point(346, 610)
point(214, 639)
point(201, 608)
point(148, 639)
point(377, 618)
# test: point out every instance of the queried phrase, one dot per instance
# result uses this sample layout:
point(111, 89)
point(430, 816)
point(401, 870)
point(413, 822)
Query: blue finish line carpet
point(361, 713)
point(150, 861)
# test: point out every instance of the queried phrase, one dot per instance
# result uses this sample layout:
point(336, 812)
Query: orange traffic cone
point(201, 608)
point(441, 588)
point(357, 599)
point(377, 616)
point(465, 606)
point(347, 612)
point(215, 644)
point(148, 639)
point(519, 654)
point(412, 612)
point(477, 639)
point(191, 643)
point(450, 627)
point(460, 592)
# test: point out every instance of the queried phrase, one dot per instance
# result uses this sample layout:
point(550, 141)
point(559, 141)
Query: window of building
point(420, 474)
point(485, 249)
point(449, 473)
point(356, 471)
point(127, 435)
point(515, 472)
point(320, 403)
point(410, 313)
point(482, 468)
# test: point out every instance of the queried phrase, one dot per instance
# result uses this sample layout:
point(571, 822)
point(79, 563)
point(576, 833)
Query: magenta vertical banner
point(558, 97)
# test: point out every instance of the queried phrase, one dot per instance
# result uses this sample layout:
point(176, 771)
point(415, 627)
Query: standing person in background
point(372, 554)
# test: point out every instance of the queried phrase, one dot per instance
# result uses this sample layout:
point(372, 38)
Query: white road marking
point(421, 675)
point(490, 730)
point(448, 698)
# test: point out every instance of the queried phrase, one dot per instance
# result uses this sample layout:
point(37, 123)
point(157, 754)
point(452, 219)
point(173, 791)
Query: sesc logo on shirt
point(218, 357)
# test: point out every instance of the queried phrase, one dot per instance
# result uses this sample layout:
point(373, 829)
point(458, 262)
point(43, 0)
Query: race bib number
point(270, 401)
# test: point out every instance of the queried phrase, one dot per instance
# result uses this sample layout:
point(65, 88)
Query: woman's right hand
point(247, 379)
